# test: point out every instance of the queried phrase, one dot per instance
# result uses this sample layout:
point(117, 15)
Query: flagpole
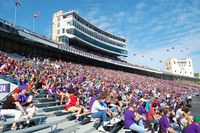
point(33, 24)
point(15, 14)
point(49, 31)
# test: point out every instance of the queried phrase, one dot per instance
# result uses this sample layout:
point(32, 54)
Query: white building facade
point(182, 67)
point(68, 26)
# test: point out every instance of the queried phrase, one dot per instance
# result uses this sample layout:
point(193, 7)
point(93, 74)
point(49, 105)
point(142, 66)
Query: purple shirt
point(99, 90)
point(129, 118)
point(193, 128)
point(93, 98)
point(142, 110)
point(164, 123)
point(22, 98)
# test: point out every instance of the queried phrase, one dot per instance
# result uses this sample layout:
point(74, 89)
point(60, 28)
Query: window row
point(94, 34)
point(86, 24)
point(182, 72)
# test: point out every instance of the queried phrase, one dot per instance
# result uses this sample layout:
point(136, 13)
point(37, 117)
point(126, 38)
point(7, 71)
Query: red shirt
point(156, 101)
point(151, 113)
point(71, 102)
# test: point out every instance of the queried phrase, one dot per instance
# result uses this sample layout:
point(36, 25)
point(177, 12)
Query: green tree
point(197, 75)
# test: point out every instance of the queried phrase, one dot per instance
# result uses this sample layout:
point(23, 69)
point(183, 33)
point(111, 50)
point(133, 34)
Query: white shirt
point(96, 106)
point(179, 113)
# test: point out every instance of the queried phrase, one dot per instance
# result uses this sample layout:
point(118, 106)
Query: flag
point(17, 3)
point(36, 15)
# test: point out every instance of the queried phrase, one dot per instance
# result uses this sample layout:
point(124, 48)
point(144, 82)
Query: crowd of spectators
point(103, 92)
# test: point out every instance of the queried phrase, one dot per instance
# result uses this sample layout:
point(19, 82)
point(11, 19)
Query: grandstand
point(74, 30)
point(32, 44)
point(26, 53)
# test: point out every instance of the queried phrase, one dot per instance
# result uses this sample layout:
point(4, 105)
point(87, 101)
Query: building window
point(58, 24)
point(174, 62)
point(175, 71)
point(63, 30)
point(58, 31)
point(58, 19)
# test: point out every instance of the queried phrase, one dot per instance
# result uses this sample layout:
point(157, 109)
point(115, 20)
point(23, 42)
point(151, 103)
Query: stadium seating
point(51, 113)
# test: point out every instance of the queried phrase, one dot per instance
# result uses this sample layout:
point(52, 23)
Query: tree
point(197, 75)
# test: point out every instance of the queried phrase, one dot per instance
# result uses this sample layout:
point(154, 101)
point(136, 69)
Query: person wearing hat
point(23, 97)
point(133, 120)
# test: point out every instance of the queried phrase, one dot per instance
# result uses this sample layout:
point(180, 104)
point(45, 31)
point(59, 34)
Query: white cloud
point(120, 14)
point(156, 29)
point(184, 18)
point(140, 6)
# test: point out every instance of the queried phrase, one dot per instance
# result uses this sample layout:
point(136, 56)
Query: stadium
point(60, 83)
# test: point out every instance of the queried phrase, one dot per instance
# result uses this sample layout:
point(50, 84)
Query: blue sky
point(150, 26)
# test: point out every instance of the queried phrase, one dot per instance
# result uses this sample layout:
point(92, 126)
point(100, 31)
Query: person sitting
point(31, 88)
point(133, 120)
point(186, 118)
point(9, 109)
point(179, 112)
point(23, 97)
point(60, 92)
point(73, 103)
point(141, 108)
point(194, 127)
point(98, 111)
point(153, 117)
point(164, 122)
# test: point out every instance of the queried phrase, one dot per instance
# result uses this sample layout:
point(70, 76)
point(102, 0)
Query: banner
point(5, 88)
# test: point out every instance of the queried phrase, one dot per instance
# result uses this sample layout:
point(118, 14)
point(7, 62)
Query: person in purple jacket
point(165, 125)
point(132, 121)
point(194, 127)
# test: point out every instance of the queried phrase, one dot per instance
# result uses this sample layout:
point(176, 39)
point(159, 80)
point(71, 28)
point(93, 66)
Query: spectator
point(194, 127)
point(23, 97)
point(9, 109)
point(132, 120)
point(165, 126)
point(98, 111)
point(153, 117)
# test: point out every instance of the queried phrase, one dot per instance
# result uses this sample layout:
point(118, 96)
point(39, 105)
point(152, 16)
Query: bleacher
point(51, 117)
